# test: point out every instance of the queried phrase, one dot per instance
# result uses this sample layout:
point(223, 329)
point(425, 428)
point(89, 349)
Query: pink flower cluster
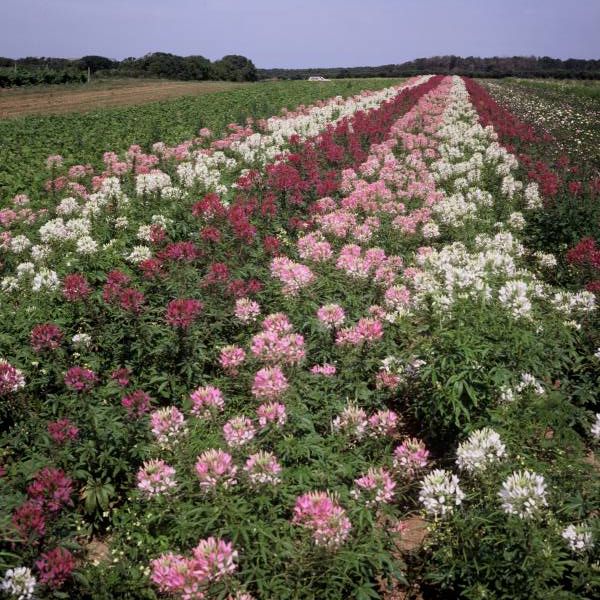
point(376, 487)
point(51, 489)
point(155, 477)
point(230, 358)
point(271, 412)
point(238, 432)
point(46, 336)
point(315, 247)
point(367, 330)
point(262, 468)
point(269, 384)
point(215, 468)
point(331, 315)
point(191, 577)
point(294, 276)
point(168, 426)
point(275, 344)
point(11, 379)
point(207, 401)
point(324, 517)
point(410, 457)
point(326, 369)
point(246, 310)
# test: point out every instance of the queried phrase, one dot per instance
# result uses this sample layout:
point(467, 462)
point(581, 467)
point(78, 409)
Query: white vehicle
point(318, 78)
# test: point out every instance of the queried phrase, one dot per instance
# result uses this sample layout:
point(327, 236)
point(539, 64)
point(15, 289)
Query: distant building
point(318, 78)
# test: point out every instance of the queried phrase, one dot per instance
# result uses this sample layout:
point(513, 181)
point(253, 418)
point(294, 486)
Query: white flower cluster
point(440, 493)
point(19, 583)
point(578, 537)
point(482, 449)
point(523, 494)
point(595, 429)
point(147, 183)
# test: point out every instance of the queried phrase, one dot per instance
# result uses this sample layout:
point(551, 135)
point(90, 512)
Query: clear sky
point(301, 33)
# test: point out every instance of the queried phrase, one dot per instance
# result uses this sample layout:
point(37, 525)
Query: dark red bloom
point(131, 300)
point(115, 282)
point(28, 519)
point(182, 312)
point(121, 376)
point(137, 403)
point(46, 336)
point(209, 207)
point(152, 268)
point(80, 379)
point(55, 567)
point(210, 234)
point(51, 488)
point(75, 287)
point(62, 431)
point(271, 244)
point(180, 251)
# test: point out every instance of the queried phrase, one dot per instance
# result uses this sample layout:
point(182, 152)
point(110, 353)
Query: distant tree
point(234, 67)
point(96, 63)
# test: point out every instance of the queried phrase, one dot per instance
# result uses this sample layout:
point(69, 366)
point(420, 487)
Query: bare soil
point(61, 99)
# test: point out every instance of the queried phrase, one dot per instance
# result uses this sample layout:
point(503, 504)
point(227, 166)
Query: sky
point(301, 33)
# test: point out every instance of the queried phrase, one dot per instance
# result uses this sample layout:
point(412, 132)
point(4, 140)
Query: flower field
point(334, 353)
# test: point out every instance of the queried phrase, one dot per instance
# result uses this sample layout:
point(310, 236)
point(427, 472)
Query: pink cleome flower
point(269, 383)
point(262, 468)
point(62, 431)
point(11, 378)
point(324, 517)
point(155, 477)
point(271, 412)
point(410, 457)
point(331, 315)
point(168, 425)
point(215, 468)
point(376, 487)
point(238, 432)
point(207, 401)
point(231, 357)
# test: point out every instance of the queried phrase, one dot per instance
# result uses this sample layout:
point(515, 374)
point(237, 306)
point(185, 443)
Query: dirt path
point(60, 99)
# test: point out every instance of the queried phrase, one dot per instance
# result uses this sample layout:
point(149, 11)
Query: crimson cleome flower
point(75, 287)
point(46, 336)
point(29, 520)
point(137, 403)
point(182, 312)
point(55, 567)
point(80, 379)
point(51, 489)
point(62, 431)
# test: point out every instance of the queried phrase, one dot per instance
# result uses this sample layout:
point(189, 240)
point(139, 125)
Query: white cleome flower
point(578, 537)
point(595, 429)
point(483, 448)
point(440, 493)
point(19, 583)
point(523, 494)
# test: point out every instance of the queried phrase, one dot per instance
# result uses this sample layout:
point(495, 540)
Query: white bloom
point(121, 223)
point(86, 245)
point(24, 269)
point(431, 230)
point(19, 583)
point(40, 252)
point(67, 206)
point(139, 254)
point(440, 493)
point(9, 284)
point(19, 244)
point(523, 494)
point(45, 278)
point(82, 339)
point(595, 429)
point(483, 448)
point(516, 220)
point(578, 537)
point(144, 233)
point(513, 295)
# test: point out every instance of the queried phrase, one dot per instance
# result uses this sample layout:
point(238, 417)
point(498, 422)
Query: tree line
point(39, 70)
point(471, 66)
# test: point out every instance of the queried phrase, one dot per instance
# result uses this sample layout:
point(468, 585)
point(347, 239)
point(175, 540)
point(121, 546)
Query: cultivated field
point(303, 342)
point(63, 99)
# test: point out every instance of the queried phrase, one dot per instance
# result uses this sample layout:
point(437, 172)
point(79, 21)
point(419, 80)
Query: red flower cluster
point(46, 336)
point(55, 567)
point(181, 313)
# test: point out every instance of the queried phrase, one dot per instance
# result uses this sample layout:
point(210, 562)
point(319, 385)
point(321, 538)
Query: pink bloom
point(181, 313)
point(320, 513)
point(293, 276)
point(410, 457)
point(238, 432)
point(397, 297)
point(262, 468)
point(269, 383)
point(271, 412)
point(277, 323)
point(11, 379)
point(231, 358)
point(171, 573)
point(168, 426)
point(376, 487)
point(62, 431)
point(121, 376)
point(352, 422)
point(246, 310)
point(213, 559)
point(365, 331)
point(206, 401)
point(386, 380)
point(215, 468)
point(155, 477)
point(331, 315)
point(383, 422)
point(80, 379)
point(326, 369)
point(314, 247)
point(55, 567)
point(137, 403)
point(54, 160)
point(46, 336)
